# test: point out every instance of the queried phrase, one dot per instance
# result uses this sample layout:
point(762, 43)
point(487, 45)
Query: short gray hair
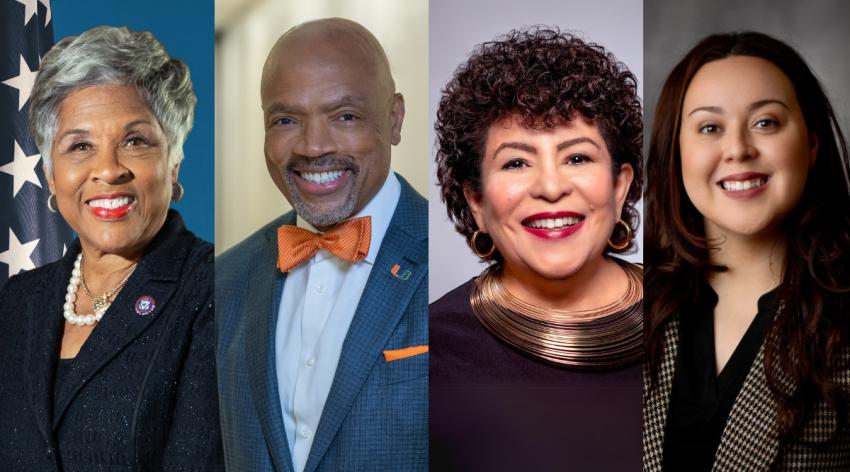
point(107, 55)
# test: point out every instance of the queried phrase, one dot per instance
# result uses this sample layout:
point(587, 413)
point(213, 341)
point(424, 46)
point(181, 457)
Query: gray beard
point(328, 217)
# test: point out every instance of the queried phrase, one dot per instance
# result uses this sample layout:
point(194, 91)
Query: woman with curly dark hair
point(748, 249)
point(535, 363)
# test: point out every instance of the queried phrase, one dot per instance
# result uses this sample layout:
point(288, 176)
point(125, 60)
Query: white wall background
point(456, 28)
point(245, 196)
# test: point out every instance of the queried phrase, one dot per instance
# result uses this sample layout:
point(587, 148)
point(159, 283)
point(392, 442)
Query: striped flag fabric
point(30, 234)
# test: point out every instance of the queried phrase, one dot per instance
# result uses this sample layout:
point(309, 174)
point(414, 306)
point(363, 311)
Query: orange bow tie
point(348, 241)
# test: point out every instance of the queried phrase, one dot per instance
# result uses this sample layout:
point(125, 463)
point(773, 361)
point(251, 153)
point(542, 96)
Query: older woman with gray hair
point(106, 356)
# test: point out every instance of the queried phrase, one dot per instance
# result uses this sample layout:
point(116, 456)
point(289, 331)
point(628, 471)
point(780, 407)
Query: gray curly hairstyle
point(108, 55)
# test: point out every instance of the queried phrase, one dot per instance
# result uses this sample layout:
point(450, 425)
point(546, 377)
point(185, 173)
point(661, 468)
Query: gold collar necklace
point(601, 338)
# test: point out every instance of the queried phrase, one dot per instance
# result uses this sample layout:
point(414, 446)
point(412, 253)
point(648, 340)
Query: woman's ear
point(813, 148)
point(175, 173)
point(51, 185)
point(622, 184)
point(473, 199)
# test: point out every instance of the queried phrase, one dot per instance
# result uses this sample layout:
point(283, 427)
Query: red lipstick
point(558, 233)
point(111, 214)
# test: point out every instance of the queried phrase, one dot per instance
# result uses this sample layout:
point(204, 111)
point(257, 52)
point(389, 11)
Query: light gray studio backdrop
point(455, 29)
point(819, 30)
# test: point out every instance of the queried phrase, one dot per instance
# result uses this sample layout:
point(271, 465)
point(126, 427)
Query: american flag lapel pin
point(400, 274)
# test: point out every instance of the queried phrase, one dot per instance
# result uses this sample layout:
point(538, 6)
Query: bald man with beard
point(322, 314)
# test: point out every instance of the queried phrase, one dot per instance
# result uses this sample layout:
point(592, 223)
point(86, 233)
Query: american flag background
point(30, 234)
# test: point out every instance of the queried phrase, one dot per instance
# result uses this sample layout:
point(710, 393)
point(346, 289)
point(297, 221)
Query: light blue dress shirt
point(318, 303)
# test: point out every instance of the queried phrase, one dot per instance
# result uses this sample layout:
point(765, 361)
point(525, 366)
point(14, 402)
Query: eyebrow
point(572, 142)
point(344, 101)
point(347, 100)
point(139, 122)
point(74, 132)
point(753, 106)
point(529, 148)
point(277, 107)
point(85, 132)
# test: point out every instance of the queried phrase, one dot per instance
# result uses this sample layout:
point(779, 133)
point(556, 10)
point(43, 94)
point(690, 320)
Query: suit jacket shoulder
point(412, 211)
point(231, 262)
point(249, 258)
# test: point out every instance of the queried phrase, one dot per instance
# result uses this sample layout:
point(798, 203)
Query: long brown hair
point(806, 340)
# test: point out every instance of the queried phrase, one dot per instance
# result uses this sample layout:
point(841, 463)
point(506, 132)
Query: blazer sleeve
point(194, 438)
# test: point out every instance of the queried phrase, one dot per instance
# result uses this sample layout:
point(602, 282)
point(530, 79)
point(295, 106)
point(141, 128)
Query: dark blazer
point(376, 414)
point(141, 394)
point(749, 441)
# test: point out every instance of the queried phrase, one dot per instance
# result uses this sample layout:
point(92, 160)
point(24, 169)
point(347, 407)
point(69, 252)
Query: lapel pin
point(145, 305)
point(400, 274)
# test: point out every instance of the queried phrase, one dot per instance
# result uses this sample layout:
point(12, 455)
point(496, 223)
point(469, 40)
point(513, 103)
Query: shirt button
point(320, 288)
point(305, 433)
point(310, 361)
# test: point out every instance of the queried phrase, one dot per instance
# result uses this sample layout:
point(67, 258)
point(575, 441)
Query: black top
point(493, 408)
point(140, 395)
point(701, 401)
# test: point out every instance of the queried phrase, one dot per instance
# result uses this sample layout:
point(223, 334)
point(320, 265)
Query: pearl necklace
point(101, 304)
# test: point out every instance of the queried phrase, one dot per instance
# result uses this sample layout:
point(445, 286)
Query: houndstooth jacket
point(749, 441)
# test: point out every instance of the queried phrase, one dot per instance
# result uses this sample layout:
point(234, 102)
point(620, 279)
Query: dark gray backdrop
point(819, 30)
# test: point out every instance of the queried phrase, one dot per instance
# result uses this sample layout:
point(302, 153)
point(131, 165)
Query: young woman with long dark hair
point(747, 257)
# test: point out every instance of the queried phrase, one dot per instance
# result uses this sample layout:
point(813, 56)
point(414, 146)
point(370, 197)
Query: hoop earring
point(475, 247)
point(177, 191)
point(620, 247)
point(52, 204)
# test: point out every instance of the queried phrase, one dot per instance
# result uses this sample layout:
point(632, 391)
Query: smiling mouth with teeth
point(321, 177)
point(742, 185)
point(553, 223)
point(111, 203)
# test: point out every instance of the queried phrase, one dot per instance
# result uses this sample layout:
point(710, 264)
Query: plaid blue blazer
point(376, 414)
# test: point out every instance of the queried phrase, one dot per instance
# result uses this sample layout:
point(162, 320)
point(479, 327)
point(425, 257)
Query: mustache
point(328, 160)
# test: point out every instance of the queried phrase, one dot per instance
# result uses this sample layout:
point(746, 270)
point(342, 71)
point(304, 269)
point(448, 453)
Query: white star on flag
point(18, 255)
point(23, 82)
point(46, 4)
point(30, 8)
point(22, 169)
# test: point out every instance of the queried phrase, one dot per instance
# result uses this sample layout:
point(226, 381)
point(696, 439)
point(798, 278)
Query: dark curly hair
point(807, 340)
point(543, 77)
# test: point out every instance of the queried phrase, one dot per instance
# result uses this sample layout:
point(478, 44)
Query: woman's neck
point(103, 271)
point(596, 284)
point(754, 262)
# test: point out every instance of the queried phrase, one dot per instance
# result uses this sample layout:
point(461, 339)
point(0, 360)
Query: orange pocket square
point(396, 354)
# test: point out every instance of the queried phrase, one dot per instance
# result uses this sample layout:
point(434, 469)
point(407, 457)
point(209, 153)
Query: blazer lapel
point(656, 401)
point(750, 440)
point(385, 299)
point(44, 339)
point(265, 287)
point(156, 276)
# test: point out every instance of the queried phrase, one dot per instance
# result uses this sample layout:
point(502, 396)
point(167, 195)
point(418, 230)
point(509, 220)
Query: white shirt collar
point(381, 209)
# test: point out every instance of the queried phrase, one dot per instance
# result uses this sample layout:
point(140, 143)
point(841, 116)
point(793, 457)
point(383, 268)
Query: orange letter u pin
point(403, 274)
